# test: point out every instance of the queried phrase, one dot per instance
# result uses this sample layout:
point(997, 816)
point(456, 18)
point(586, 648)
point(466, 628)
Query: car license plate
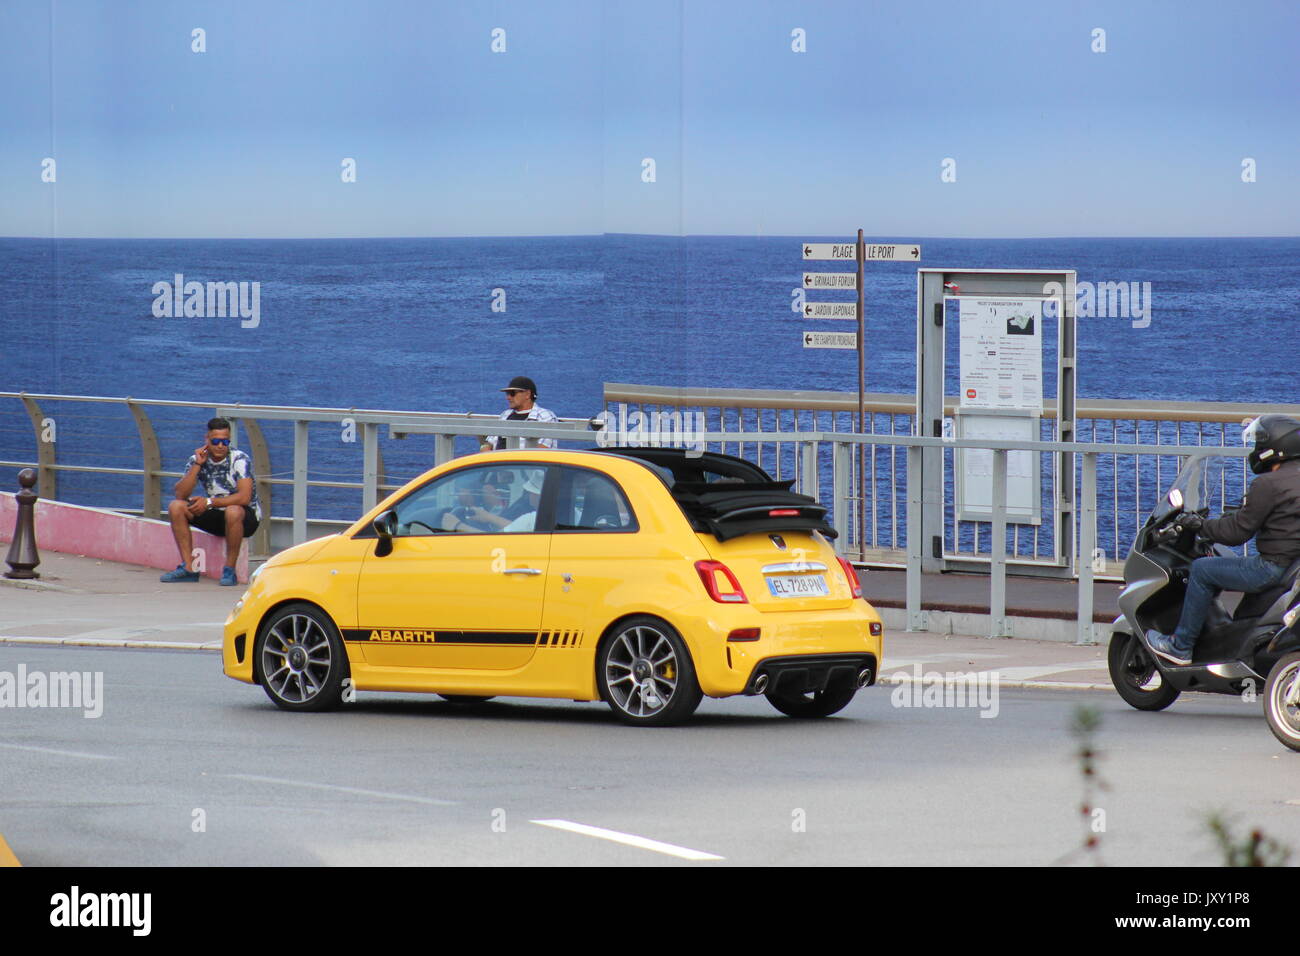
point(798, 585)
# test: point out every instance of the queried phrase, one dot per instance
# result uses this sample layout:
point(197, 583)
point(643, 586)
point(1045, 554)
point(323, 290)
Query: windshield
point(1208, 481)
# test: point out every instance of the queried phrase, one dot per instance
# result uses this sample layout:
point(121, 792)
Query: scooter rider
point(1270, 512)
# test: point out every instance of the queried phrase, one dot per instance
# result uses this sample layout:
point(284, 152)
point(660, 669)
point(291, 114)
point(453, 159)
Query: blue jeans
point(1210, 576)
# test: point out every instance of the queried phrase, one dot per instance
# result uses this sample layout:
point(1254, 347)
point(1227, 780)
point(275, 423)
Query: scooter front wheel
point(1134, 673)
point(1282, 700)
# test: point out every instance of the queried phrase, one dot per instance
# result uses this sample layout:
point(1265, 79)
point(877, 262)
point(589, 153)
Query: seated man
point(227, 507)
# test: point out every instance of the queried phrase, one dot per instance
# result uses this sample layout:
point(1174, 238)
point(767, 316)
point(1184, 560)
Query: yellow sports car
point(644, 577)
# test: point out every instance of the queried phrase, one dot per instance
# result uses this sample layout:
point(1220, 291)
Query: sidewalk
point(85, 601)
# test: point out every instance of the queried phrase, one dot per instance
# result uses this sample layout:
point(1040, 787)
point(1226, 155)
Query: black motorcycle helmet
point(1276, 438)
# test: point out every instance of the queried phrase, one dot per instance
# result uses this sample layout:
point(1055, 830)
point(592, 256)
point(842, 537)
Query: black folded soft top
point(729, 497)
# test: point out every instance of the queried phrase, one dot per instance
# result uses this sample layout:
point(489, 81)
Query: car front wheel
point(645, 674)
point(300, 659)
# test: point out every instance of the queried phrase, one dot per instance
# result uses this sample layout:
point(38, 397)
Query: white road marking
point(628, 839)
point(357, 791)
point(59, 753)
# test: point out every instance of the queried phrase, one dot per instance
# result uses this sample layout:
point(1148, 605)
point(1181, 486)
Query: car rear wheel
point(821, 703)
point(300, 659)
point(645, 674)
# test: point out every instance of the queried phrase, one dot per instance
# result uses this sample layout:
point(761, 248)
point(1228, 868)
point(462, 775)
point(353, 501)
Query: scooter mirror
point(1176, 498)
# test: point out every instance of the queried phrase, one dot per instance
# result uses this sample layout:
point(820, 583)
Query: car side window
point(479, 500)
point(591, 501)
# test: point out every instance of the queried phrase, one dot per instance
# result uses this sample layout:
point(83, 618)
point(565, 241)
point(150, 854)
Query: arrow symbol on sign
point(915, 252)
point(807, 280)
point(807, 340)
point(807, 310)
point(807, 251)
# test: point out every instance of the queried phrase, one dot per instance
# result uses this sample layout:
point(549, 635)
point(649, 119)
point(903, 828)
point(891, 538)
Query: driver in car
point(1270, 512)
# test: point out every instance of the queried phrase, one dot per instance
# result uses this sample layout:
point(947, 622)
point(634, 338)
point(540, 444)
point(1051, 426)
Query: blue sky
point(1049, 138)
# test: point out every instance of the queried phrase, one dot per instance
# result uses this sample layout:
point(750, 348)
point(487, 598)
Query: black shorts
point(213, 521)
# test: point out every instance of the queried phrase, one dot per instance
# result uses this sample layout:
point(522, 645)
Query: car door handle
point(522, 571)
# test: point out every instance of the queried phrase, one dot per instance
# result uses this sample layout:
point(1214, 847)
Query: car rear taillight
point(877, 629)
point(720, 582)
point(854, 584)
point(783, 513)
point(745, 634)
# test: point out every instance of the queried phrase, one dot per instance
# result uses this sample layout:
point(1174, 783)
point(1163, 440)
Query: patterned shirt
point(534, 414)
point(221, 478)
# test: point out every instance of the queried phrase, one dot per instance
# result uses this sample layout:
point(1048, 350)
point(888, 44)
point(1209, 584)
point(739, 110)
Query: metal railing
point(1131, 481)
point(822, 460)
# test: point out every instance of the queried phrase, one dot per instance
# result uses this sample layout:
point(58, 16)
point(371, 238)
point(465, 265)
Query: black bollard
point(23, 556)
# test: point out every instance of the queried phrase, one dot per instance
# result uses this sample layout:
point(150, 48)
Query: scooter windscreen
point(1205, 482)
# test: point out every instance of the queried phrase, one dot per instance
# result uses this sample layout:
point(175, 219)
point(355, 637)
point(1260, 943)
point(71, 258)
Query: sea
point(442, 324)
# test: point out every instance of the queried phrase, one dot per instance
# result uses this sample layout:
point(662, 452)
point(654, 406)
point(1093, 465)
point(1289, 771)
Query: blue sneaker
point(228, 579)
point(1164, 645)
point(180, 574)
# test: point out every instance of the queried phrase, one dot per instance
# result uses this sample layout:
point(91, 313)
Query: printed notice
point(1001, 353)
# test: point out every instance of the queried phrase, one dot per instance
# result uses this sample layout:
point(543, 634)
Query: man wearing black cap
point(521, 394)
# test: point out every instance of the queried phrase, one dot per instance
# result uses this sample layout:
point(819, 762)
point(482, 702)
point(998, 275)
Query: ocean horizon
point(441, 324)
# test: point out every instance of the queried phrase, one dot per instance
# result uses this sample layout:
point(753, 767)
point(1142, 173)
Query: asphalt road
point(411, 780)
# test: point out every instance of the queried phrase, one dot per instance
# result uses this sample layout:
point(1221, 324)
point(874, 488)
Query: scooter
point(1235, 650)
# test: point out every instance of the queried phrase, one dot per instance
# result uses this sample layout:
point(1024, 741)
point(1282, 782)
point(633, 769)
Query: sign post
point(859, 252)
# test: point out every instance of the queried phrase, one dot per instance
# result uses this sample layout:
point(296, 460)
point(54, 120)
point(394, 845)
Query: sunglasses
point(219, 441)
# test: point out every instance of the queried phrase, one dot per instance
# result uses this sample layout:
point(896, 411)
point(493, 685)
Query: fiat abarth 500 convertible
point(643, 577)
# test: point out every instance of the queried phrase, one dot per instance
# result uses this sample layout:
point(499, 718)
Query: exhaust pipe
point(760, 683)
point(864, 677)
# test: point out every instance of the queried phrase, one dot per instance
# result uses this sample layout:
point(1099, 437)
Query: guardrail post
point(1087, 545)
point(444, 449)
point(151, 506)
point(370, 465)
point(998, 549)
point(299, 482)
point(840, 453)
point(261, 541)
point(46, 457)
point(916, 618)
point(808, 478)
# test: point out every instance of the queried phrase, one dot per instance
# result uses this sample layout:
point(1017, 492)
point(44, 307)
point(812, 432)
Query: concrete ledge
point(959, 622)
point(113, 536)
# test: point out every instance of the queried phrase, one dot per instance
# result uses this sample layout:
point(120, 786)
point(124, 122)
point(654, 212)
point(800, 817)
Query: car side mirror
point(385, 526)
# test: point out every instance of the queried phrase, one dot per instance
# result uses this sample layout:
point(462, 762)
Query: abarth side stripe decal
point(408, 635)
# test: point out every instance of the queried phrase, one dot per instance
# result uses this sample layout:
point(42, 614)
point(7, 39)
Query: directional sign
point(830, 310)
point(882, 252)
point(848, 251)
point(842, 251)
point(830, 280)
point(830, 340)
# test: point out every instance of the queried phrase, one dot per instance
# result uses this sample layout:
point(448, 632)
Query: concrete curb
point(136, 645)
point(947, 680)
point(942, 623)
